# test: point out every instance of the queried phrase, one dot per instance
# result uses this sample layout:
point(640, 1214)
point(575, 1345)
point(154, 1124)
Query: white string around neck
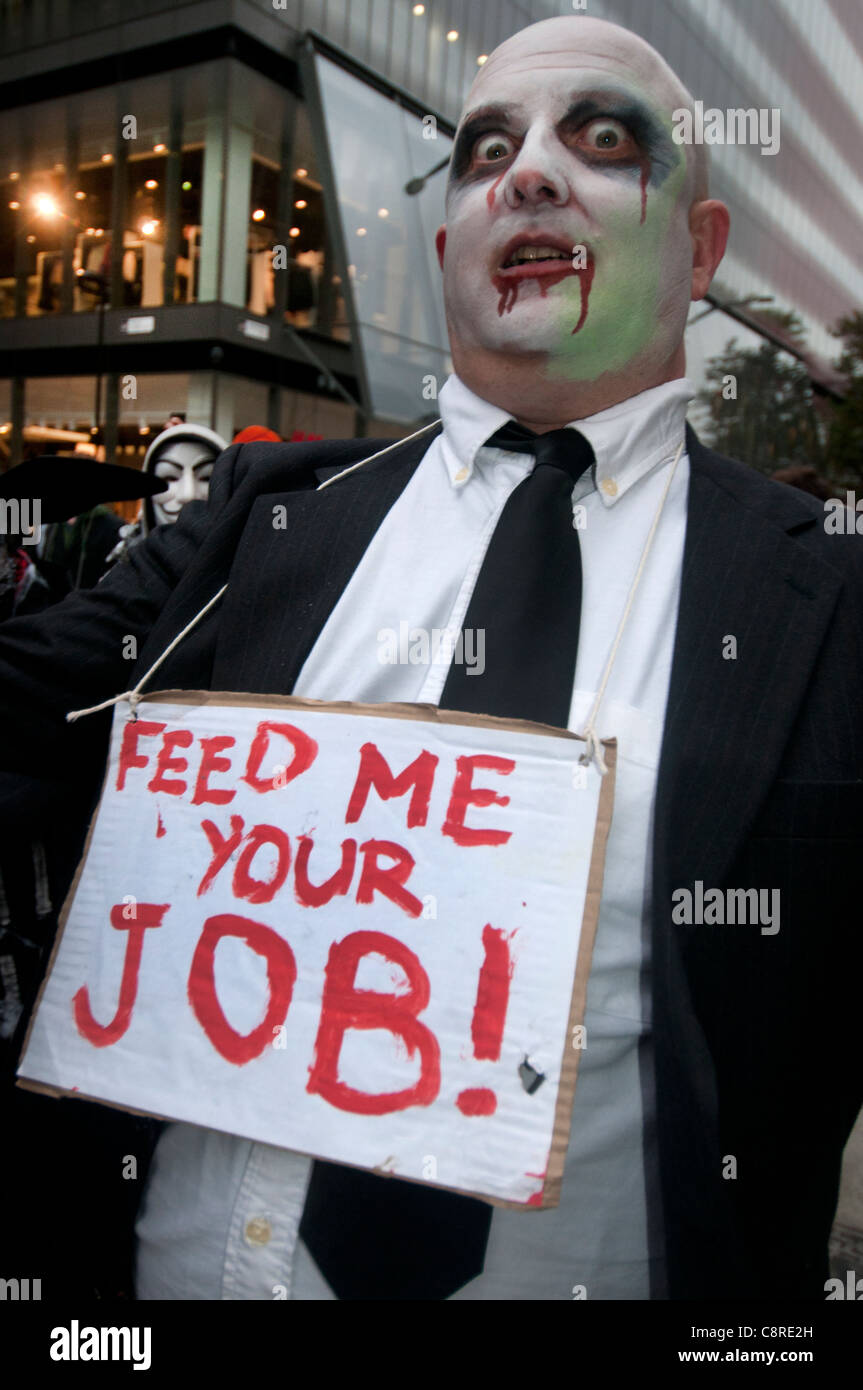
point(396, 444)
point(593, 748)
point(135, 696)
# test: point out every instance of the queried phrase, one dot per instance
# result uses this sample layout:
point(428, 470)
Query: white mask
point(186, 467)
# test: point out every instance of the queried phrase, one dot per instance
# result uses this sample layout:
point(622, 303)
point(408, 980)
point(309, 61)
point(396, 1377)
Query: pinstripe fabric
point(292, 578)
point(757, 566)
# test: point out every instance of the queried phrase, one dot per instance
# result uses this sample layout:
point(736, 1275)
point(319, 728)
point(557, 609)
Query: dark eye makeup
point(651, 141)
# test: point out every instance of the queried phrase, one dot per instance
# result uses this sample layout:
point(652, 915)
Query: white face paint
point(567, 254)
point(186, 467)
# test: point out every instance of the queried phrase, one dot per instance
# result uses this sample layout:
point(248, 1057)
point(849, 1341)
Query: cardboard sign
point(347, 930)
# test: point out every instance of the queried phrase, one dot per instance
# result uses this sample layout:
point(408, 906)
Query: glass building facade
point(159, 223)
point(229, 210)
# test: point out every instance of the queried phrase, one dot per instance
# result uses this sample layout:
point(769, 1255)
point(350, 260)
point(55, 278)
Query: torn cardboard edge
point(426, 714)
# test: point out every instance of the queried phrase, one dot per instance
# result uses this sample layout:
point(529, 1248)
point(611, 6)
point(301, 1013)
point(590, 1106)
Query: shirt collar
point(629, 439)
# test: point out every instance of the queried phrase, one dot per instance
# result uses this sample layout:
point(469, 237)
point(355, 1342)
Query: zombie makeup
point(567, 212)
point(657, 153)
point(185, 466)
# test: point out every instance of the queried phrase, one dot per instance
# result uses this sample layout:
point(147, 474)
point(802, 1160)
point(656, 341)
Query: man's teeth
point(536, 253)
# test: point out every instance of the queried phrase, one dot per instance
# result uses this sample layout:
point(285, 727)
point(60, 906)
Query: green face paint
point(620, 305)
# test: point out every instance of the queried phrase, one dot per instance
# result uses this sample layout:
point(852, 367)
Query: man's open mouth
point(528, 254)
point(531, 256)
point(547, 261)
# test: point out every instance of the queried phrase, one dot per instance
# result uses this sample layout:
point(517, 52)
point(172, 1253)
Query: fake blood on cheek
point(645, 177)
point(489, 197)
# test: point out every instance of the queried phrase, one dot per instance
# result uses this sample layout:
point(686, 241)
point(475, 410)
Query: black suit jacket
point(753, 1055)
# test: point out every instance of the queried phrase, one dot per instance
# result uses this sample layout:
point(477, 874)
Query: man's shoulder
point(262, 467)
point(810, 521)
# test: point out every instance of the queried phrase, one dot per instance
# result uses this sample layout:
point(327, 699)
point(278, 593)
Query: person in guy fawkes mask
point(721, 1077)
point(183, 455)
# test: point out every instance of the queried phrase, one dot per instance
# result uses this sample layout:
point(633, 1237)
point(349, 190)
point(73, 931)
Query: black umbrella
point(69, 486)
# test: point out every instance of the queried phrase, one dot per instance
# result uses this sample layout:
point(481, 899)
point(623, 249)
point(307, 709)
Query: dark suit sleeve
point(82, 651)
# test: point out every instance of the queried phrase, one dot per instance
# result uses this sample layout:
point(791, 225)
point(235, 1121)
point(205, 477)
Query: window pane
point(57, 403)
point(92, 118)
point(315, 295)
point(58, 169)
point(274, 166)
point(11, 213)
point(377, 148)
point(304, 416)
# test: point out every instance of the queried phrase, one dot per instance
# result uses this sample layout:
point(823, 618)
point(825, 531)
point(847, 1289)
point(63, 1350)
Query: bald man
point(719, 1079)
point(566, 138)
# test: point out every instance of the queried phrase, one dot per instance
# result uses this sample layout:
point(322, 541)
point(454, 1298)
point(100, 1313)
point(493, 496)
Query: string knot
point(593, 751)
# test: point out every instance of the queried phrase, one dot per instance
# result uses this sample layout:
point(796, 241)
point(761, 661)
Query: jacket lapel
point(728, 718)
point(297, 552)
point(727, 723)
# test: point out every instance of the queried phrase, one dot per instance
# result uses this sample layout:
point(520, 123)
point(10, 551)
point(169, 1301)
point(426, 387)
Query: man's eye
point(607, 137)
point(492, 148)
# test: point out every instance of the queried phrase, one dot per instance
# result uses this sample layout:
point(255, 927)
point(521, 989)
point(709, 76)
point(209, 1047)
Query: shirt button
point(258, 1231)
point(609, 487)
point(461, 475)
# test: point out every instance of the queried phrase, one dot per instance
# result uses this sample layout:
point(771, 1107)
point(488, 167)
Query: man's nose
point(536, 176)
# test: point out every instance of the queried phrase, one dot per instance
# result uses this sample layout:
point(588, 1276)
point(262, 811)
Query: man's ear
point(440, 243)
point(709, 223)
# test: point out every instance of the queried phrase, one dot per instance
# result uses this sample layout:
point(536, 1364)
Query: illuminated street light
point(44, 205)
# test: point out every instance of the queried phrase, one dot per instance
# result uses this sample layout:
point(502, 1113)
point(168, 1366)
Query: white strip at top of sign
point(347, 930)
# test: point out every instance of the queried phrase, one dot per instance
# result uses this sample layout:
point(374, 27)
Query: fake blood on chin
point(508, 282)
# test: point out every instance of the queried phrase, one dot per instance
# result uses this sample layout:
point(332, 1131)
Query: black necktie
point(381, 1238)
point(527, 597)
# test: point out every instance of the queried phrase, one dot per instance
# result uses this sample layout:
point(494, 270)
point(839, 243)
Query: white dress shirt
point(221, 1214)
